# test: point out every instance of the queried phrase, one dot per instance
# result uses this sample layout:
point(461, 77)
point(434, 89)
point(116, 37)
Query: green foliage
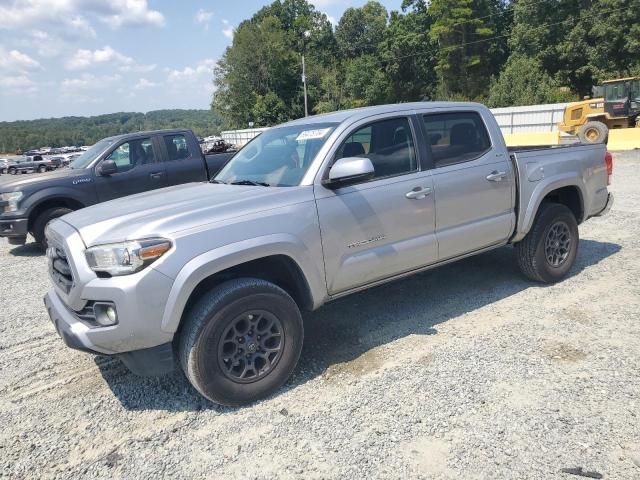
point(504, 52)
point(361, 30)
point(524, 82)
point(57, 132)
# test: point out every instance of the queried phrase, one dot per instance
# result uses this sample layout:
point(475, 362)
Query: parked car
point(35, 163)
point(213, 277)
point(112, 168)
point(4, 165)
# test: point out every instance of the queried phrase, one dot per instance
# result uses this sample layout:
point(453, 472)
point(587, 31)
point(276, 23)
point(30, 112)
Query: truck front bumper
point(78, 335)
point(607, 206)
point(15, 229)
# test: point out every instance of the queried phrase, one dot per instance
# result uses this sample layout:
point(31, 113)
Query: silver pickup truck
point(213, 276)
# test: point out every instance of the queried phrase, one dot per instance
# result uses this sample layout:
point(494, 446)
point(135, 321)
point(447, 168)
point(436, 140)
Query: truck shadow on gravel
point(342, 338)
point(27, 250)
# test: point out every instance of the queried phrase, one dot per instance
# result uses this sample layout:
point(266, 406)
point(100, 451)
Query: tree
point(360, 30)
point(524, 82)
point(469, 46)
point(407, 54)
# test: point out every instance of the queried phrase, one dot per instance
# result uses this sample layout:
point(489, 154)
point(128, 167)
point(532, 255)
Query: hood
point(169, 210)
point(33, 181)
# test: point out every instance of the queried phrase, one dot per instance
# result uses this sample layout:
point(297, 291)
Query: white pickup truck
point(213, 276)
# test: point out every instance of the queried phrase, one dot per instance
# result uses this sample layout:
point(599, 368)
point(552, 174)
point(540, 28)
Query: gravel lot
point(464, 372)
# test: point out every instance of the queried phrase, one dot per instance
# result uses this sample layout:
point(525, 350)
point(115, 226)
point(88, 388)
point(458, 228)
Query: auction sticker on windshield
point(312, 134)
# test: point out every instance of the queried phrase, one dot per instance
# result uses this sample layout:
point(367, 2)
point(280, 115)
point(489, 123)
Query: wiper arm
point(213, 180)
point(250, 182)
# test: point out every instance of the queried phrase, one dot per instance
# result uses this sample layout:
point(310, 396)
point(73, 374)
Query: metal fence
point(528, 118)
point(240, 138)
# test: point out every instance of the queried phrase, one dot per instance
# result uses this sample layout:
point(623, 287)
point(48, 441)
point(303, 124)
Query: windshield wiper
point(213, 180)
point(250, 182)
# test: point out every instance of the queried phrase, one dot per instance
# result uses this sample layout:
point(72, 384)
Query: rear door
point(139, 170)
point(183, 159)
point(473, 182)
point(385, 226)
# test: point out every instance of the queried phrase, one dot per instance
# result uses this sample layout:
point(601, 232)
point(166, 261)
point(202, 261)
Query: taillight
point(608, 160)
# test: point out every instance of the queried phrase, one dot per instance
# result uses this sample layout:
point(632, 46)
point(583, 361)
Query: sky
point(88, 57)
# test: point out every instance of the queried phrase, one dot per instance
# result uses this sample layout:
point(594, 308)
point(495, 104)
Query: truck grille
point(59, 268)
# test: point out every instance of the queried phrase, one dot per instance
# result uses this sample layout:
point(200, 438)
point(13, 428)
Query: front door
point(138, 170)
point(473, 184)
point(385, 226)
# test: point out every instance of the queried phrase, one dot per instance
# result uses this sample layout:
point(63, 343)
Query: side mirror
point(348, 171)
point(107, 167)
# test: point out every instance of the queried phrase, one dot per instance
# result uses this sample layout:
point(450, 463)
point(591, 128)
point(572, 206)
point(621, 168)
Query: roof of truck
point(149, 132)
point(357, 113)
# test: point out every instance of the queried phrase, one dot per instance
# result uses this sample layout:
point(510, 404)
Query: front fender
point(533, 198)
point(227, 256)
point(54, 193)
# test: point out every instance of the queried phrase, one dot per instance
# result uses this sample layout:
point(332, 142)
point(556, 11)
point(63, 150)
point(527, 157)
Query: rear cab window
point(455, 137)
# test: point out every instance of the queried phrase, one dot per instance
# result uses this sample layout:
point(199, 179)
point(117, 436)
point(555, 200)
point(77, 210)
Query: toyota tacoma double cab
point(213, 276)
point(114, 167)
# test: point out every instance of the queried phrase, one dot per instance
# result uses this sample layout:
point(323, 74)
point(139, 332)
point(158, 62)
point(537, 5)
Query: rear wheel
point(241, 341)
point(43, 220)
point(593, 132)
point(549, 250)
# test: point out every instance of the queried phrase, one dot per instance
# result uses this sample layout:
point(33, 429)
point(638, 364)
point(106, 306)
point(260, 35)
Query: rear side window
point(177, 148)
point(388, 144)
point(456, 137)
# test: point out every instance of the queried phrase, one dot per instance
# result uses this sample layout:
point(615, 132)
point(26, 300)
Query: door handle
point(418, 193)
point(496, 176)
point(156, 175)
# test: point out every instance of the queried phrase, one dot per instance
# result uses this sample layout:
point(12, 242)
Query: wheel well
point(278, 269)
point(570, 197)
point(53, 203)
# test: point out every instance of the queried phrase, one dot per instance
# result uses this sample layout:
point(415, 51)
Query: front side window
point(277, 157)
point(456, 137)
point(177, 148)
point(388, 144)
point(616, 91)
point(133, 153)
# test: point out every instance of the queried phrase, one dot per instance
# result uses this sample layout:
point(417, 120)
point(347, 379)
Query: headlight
point(127, 257)
point(10, 201)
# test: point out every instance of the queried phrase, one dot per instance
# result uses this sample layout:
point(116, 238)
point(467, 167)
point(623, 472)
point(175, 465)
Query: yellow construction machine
point(616, 104)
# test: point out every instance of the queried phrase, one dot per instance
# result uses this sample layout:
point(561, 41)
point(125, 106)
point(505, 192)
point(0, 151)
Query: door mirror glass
point(348, 171)
point(108, 167)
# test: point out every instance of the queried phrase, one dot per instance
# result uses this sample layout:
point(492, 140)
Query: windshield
point(278, 157)
point(90, 155)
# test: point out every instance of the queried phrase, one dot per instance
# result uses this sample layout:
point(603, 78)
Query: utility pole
point(306, 35)
point(304, 83)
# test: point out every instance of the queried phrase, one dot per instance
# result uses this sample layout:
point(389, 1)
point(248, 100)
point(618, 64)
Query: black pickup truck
point(114, 167)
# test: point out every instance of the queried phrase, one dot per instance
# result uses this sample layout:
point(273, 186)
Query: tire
point(43, 219)
point(539, 257)
point(208, 339)
point(42, 169)
point(13, 171)
point(593, 132)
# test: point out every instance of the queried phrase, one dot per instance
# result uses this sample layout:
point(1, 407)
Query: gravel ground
point(465, 372)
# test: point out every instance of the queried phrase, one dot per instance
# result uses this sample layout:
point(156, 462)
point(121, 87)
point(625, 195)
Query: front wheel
point(42, 169)
point(549, 250)
point(43, 220)
point(13, 171)
point(241, 341)
point(593, 132)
